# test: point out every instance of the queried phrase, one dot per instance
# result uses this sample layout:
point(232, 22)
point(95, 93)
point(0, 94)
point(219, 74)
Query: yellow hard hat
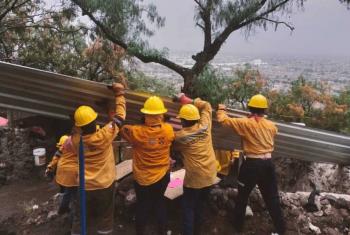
point(189, 112)
point(154, 105)
point(258, 101)
point(84, 115)
point(62, 140)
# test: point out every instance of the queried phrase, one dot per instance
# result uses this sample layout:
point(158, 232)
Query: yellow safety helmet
point(258, 101)
point(189, 112)
point(62, 140)
point(153, 106)
point(84, 115)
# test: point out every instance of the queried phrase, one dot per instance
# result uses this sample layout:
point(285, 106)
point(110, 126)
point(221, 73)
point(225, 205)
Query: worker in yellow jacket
point(99, 164)
point(65, 164)
point(151, 143)
point(258, 135)
point(194, 142)
point(52, 166)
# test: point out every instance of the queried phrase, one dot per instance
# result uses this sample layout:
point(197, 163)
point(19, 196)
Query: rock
point(314, 229)
point(52, 214)
point(35, 207)
point(330, 231)
point(318, 213)
point(248, 212)
point(331, 199)
point(295, 211)
point(328, 210)
point(344, 213)
point(324, 201)
point(341, 203)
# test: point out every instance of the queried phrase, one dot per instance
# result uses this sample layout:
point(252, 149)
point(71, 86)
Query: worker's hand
point(49, 173)
point(118, 89)
point(183, 99)
point(221, 107)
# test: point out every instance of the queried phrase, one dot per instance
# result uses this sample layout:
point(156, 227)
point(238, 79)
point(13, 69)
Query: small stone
point(249, 212)
point(314, 228)
point(295, 211)
point(330, 231)
point(52, 214)
point(169, 232)
point(35, 207)
point(318, 213)
point(328, 210)
point(324, 202)
point(344, 213)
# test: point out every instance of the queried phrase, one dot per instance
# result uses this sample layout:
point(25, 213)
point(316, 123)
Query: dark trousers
point(193, 202)
point(69, 194)
point(262, 173)
point(150, 202)
point(99, 212)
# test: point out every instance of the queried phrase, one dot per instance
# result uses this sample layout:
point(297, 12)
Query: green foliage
point(244, 84)
point(212, 86)
point(126, 20)
point(140, 82)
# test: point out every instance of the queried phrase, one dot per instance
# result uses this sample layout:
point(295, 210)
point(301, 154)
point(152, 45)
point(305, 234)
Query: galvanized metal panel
point(56, 95)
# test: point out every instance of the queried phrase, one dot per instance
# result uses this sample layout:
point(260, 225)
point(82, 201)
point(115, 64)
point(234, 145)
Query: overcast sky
point(323, 28)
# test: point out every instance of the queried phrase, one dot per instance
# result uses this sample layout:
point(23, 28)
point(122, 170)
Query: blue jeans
point(193, 202)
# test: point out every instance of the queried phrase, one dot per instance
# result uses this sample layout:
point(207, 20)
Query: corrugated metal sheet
point(56, 95)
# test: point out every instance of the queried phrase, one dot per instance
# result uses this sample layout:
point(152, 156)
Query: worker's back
point(99, 157)
point(151, 148)
point(196, 147)
point(257, 132)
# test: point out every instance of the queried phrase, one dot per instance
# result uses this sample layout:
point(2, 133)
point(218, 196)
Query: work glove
point(221, 107)
point(183, 99)
point(118, 89)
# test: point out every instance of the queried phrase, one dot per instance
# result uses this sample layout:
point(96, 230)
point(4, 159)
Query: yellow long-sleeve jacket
point(196, 147)
point(98, 152)
point(53, 164)
point(67, 169)
point(151, 144)
point(257, 133)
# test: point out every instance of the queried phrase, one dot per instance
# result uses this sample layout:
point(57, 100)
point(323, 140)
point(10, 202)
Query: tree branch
point(143, 57)
point(246, 17)
point(200, 26)
point(12, 7)
point(279, 22)
point(199, 4)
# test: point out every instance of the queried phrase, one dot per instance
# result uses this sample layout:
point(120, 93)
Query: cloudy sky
point(322, 28)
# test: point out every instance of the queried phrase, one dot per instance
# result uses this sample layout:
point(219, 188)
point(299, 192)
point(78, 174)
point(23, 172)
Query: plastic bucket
point(39, 156)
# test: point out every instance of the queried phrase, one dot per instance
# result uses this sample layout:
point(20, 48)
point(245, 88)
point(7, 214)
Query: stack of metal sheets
point(55, 95)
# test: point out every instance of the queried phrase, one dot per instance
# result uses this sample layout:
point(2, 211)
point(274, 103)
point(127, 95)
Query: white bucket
point(39, 156)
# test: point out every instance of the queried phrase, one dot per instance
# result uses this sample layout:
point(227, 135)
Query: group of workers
point(152, 142)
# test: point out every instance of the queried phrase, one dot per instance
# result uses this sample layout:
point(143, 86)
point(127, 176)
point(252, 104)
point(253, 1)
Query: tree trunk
point(188, 88)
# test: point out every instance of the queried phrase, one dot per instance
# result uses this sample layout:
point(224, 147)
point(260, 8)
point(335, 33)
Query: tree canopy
point(218, 19)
